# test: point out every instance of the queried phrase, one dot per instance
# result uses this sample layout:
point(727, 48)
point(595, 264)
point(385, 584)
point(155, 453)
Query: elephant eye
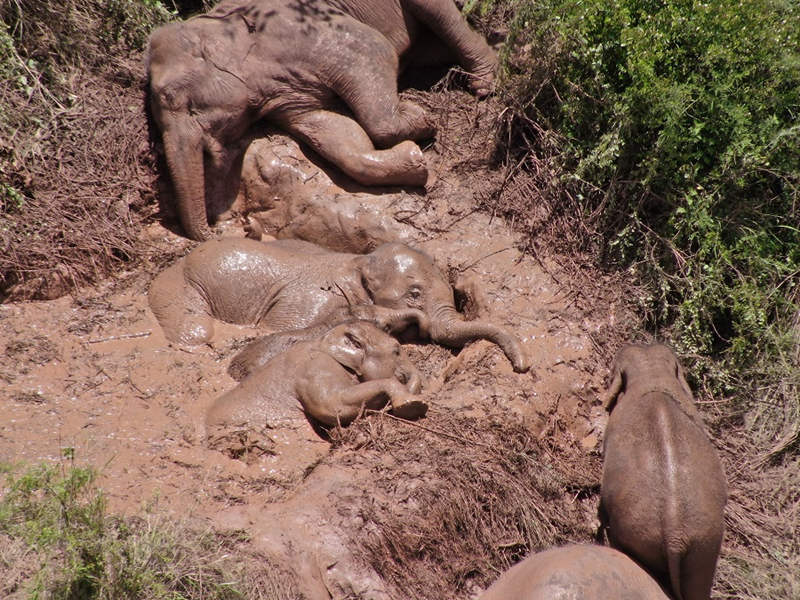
point(415, 292)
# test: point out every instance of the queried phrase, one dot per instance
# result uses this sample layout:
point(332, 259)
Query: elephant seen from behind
point(577, 572)
point(290, 284)
point(325, 71)
point(663, 488)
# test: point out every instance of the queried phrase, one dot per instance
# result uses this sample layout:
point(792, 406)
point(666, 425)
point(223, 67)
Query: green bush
point(64, 545)
point(680, 121)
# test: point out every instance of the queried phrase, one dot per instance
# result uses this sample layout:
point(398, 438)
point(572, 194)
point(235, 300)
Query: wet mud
point(92, 376)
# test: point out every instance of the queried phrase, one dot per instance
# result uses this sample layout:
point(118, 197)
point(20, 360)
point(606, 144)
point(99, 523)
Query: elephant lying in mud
point(579, 572)
point(289, 284)
point(663, 488)
point(263, 349)
point(352, 367)
point(295, 62)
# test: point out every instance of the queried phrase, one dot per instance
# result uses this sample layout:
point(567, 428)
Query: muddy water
point(92, 376)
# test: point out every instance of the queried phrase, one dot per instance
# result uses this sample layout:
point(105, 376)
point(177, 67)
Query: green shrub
point(679, 120)
point(56, 515)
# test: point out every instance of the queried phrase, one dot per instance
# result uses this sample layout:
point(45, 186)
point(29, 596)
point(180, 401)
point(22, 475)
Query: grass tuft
point(60, 543)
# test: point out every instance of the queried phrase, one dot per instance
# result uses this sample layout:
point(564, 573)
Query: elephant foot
point(482, 76)
point(420, 123)
point(413, 409)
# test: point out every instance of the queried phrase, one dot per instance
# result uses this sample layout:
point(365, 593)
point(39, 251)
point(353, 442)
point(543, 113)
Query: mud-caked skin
point(579, 572)
point(290, 285)
point(663, 487)
point(352, 367)
point(296, 62)
point(261, 350)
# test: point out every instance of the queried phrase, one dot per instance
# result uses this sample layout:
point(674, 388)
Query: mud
point(92, 376)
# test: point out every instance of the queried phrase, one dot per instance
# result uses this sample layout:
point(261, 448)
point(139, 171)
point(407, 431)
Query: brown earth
point(502, 463)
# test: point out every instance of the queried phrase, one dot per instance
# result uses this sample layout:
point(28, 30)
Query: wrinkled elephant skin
point(352, 367)
point(663, 488)
point(290, 284)
point(298, 64)
point(577, 573)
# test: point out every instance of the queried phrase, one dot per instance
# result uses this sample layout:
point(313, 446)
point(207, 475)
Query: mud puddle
point(91, 376)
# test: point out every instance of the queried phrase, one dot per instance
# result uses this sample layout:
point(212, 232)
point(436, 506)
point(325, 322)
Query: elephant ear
point(348, 348)
point(373, 274)
point(679, 374)
point(615, 388)
point(379, 273)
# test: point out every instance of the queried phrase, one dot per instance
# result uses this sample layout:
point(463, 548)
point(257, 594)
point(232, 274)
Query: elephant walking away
point(290, 284)
point(578, 572)
point(663, 488)
point(325, 71)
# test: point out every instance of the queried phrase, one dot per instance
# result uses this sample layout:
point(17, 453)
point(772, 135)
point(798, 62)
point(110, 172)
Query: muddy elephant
point(351, 367)
point(263, 349)
point(578, 572)
point(290, 284)
point(663, 487)
point(325, 71)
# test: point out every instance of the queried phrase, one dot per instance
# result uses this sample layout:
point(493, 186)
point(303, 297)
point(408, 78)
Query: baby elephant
point(352, 367)
point(291, 284)
point(663, 488)
point(576, 572)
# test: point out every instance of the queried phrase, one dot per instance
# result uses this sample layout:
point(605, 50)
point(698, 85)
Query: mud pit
point(93, 372)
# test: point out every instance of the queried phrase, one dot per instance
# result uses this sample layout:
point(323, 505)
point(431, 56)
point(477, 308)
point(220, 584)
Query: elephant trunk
point(184, 149)
point(392, 320)
point(408, 374)
point(449, 329)
point(398, 320)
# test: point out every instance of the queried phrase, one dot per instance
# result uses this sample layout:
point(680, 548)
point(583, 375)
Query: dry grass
point(75, 156)
point(472, 497)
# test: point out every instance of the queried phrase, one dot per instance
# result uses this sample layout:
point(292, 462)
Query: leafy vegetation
point(59, 542)
point(666, 142)
point(677, 128)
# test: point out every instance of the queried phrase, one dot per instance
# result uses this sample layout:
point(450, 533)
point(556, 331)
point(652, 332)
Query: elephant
point(292, 284)
point(325, 71)
point(351, 367)
point(263, 349)
point(663, 490)
point(577, 572)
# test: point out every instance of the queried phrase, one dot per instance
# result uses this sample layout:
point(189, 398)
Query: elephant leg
point(337, 404)
point(443, 18)
point(343, 142)
point(364, 75)
point(178, 307)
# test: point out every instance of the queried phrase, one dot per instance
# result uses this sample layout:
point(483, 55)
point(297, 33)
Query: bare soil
point(503, 463)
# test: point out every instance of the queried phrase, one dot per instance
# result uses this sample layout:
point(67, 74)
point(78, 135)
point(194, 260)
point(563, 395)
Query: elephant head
point(399, 277)
point(639, 369)
point(370, 354)
point(196, 105)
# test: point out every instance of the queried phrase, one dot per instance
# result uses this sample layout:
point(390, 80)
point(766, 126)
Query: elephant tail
point(674, 557)
point(674, 543)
